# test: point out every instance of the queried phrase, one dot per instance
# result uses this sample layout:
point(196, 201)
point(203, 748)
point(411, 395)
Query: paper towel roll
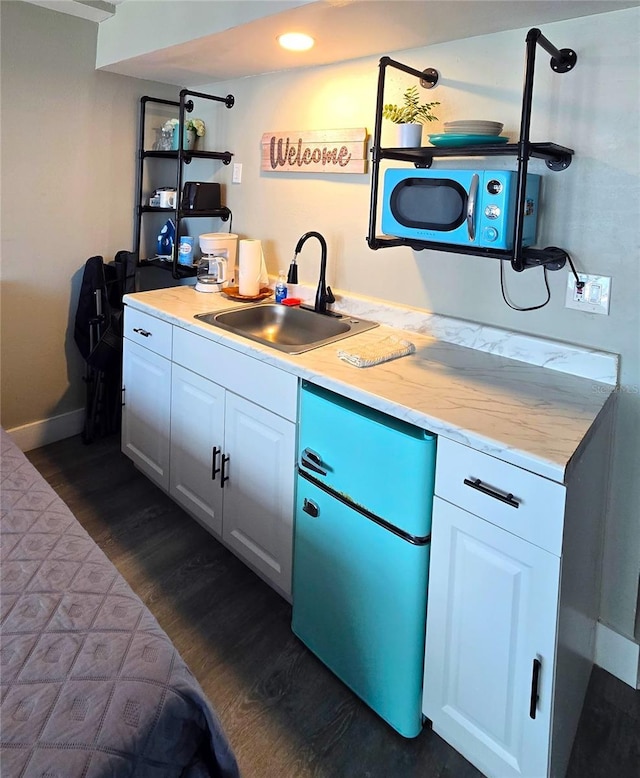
point(250, 265)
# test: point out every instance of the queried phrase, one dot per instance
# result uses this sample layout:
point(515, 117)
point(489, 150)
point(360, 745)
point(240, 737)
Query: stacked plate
point(468, 132)
point(473, 127)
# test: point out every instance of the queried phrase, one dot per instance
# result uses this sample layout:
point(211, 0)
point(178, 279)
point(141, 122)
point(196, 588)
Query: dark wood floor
point(285, 714)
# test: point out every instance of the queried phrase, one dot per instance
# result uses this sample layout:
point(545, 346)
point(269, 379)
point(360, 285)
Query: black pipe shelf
point(181, 156)
point(555, 156)
point(188, 155)
point(221, 213)
point(182, 271)
point(553, 257)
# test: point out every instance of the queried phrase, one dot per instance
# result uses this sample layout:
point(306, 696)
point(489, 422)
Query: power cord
point(516, 307)
point(579, 284)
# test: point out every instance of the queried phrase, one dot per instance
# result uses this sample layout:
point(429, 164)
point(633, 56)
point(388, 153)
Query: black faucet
point(324, 295)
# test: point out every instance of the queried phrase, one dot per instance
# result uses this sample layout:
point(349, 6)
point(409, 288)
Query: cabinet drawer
point(148, 331)
point(262, 384)
point(523, 503)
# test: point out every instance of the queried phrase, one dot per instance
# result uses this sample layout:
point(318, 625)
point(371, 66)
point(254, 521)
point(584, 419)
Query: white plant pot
point(409, 135)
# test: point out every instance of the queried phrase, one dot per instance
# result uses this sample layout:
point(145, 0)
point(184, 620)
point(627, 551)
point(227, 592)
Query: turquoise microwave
point(460, 207)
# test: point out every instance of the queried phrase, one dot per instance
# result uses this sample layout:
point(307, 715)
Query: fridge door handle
point(312, 461)
point(310, 507)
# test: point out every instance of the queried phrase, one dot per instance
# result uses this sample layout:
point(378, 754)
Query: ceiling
point(94, 10)
point(343, 30)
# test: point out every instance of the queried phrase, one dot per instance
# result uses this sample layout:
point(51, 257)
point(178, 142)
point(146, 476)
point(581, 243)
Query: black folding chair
point(98, 335)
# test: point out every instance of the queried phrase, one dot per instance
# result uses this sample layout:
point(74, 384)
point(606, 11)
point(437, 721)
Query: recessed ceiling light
point(295, 41)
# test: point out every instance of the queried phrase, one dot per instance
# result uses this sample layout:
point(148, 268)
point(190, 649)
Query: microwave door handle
point(471, 206)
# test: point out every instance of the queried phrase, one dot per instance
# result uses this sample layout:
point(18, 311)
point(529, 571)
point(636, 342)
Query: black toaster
point(201, 196)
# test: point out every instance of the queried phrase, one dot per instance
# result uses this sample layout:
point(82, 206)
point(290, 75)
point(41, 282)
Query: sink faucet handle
point(329, 298)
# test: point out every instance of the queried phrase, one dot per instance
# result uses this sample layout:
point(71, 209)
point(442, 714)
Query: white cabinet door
point(197, 445)
point(491, 615)
point(258, 495)
point(146, 379)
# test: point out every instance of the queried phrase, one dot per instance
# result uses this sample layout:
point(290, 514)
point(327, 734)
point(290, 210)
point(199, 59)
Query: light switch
point(236, 175)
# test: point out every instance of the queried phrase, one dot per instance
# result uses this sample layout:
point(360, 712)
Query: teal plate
point(450, 139)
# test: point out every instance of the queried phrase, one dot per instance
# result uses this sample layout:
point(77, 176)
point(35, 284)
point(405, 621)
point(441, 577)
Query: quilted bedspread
point(91, 685)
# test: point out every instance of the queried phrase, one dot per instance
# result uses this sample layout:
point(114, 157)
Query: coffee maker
point(216, 267)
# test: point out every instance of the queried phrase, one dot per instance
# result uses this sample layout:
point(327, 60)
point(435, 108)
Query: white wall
point(591, 209)
point(68, 176)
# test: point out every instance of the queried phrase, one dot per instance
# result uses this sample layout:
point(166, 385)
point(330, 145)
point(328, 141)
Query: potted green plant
point(410, 116)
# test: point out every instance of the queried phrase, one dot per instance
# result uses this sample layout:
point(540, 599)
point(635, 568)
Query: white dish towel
point(385, 349)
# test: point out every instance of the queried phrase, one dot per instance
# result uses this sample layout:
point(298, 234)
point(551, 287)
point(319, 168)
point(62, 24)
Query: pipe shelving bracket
point(552, 257)
point(562, 60)
point(556, 158)
point(429, 78)
point(566, 62)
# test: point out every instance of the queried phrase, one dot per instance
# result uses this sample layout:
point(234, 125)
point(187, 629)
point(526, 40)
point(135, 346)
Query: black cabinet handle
point(312, 461)
point(223, 476)
point(214, 456)
point(535, 677)
point(477, 484)
point(142, 332)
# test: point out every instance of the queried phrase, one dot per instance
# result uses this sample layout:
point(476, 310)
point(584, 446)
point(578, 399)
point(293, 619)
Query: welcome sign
point(315, 151)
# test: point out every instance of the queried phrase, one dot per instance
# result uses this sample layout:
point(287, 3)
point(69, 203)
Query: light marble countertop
point(529, 415)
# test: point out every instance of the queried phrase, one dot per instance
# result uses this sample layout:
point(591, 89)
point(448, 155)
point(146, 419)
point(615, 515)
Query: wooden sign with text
point(315, 151)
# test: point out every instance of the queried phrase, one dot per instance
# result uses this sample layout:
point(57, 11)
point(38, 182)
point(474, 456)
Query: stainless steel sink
point(289, 329)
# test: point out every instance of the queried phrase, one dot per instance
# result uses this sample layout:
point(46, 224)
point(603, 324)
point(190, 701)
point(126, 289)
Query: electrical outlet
point(593, 297)
point(236, 175)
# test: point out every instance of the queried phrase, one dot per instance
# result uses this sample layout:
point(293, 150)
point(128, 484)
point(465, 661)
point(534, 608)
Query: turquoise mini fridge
point(361, 550)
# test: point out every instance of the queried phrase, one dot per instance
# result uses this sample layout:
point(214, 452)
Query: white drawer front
point(262, 384)
point(148, 331)
point(532, 507)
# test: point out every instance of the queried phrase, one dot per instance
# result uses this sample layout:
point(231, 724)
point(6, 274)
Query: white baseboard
point(41, 433)
point(618, 655)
